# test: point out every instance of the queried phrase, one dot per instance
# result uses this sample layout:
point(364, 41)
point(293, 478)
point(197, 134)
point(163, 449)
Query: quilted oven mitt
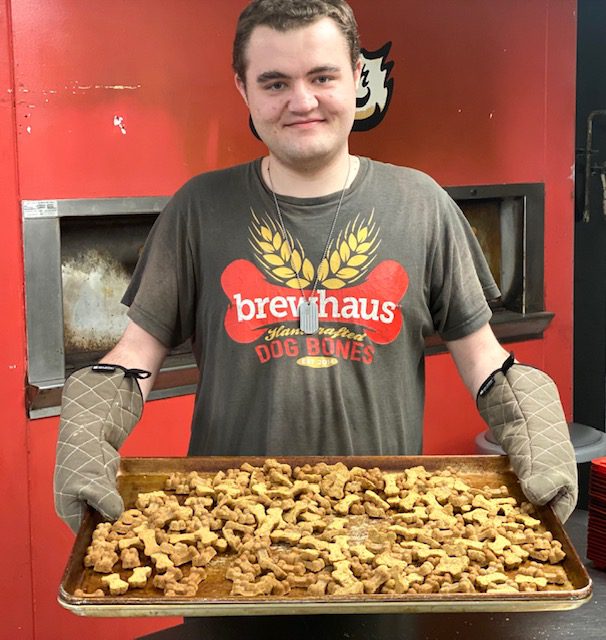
point(100, 406)
point(522, 407)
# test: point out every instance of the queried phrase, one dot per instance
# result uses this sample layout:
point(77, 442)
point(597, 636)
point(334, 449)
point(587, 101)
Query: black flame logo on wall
point(374, 93)
point(376, 87)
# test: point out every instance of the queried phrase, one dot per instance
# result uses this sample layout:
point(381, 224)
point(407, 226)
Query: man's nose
point(303, 98)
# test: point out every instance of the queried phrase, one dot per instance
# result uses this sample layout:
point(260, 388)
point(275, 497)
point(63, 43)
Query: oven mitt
point(522, 407)
point(100, 406)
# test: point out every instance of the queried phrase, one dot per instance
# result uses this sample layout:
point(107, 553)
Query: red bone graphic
point(256, 304)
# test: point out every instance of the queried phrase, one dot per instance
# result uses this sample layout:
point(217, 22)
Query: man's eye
point(323, 79)
point(275, 86)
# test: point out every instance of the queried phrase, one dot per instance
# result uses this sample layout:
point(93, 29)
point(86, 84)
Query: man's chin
point(307, 153)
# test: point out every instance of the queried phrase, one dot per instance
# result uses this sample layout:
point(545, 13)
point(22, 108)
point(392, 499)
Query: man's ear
point(241, 87)
point(358, 72)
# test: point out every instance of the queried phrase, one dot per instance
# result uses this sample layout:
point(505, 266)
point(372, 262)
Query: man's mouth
point(303, 124)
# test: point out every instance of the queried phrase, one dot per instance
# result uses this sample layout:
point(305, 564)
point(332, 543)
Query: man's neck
point(309, 182)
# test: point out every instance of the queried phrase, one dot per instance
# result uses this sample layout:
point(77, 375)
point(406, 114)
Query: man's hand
point(101, 404)
point(522, 407)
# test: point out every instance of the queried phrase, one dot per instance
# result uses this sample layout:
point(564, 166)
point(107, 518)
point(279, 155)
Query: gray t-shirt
point(402, 264)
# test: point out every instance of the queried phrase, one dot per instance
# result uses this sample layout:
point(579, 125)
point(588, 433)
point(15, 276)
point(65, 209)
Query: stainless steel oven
point(79, 257)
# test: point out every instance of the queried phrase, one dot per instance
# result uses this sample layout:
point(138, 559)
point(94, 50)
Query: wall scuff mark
point(119, 122)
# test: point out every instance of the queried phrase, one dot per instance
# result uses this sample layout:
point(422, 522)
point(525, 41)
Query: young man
point(307, 281)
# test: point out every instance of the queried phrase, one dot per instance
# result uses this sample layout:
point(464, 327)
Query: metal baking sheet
point(147, 474)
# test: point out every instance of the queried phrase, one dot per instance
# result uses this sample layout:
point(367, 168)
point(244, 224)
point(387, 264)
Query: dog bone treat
point(115, 584)
point(97, 593)
point(130, 558)
point(139, 577)
point(326, 530)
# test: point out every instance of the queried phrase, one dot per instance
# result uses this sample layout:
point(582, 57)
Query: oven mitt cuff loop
point(100, 406)
point(522, 407)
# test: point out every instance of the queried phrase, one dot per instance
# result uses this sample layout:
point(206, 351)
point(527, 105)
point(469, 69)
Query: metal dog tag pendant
point(308, 316)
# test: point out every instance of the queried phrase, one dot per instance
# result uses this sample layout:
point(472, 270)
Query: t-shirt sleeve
point(460, 279)
point(162, 294)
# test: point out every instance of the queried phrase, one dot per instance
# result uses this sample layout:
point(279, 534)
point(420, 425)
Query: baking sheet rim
point(199, 609)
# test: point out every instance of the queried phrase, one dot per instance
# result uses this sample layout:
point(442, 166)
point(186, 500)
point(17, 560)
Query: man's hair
point(284, 15)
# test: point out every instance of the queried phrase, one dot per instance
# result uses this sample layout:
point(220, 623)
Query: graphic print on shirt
point(358, 296)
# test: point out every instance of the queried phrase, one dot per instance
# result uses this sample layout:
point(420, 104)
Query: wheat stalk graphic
point(347, 260)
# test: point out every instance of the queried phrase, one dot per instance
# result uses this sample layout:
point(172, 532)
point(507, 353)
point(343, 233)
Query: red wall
point(484, 93)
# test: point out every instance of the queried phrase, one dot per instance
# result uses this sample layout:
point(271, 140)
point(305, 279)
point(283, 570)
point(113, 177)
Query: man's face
point(301, 92)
